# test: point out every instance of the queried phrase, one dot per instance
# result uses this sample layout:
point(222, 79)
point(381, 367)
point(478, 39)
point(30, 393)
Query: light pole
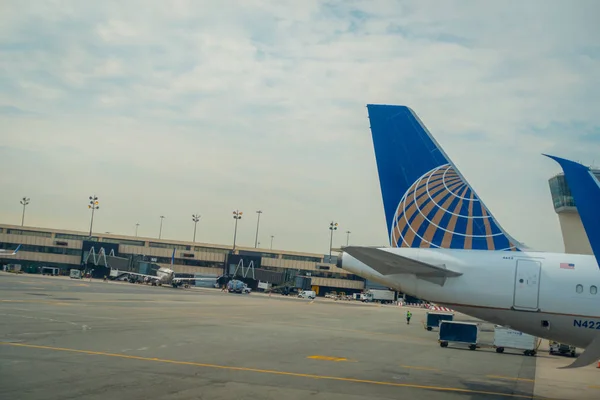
point(195, 218)
point(93, 206)
point(24, 202)
point(136, 229)
point(257, 223)
point(348, 237)
point(236, 215)
point(272, 241)
point(160, 230)
point(332, 227)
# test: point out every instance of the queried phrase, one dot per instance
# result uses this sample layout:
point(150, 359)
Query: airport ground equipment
point(562, 348)
point(433, 319)
point(75, 274)
point(236, 286)
point(506, 338)
point(54, 271)
point(379, 296)
point(459, 333)
point(308, 294)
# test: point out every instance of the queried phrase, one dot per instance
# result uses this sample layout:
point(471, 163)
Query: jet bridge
point(100, 264)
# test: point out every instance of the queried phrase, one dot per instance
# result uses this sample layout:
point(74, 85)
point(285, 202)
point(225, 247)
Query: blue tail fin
point(427, 201)
point(586, 192)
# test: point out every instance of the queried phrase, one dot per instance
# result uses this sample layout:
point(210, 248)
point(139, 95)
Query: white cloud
point(187, 106)
point(115, 31)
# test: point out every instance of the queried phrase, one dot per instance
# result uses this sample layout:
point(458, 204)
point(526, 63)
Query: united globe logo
point(440, 210)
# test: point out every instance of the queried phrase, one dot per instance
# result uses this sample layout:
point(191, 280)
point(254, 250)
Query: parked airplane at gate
point(4, 253)
point(449, 249)
point(164, 276)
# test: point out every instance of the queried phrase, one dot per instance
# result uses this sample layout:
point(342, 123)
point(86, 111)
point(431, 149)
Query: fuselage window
point(579, 288)
point(593, 289)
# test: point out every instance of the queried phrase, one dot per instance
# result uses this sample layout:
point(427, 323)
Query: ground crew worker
point(408, 316)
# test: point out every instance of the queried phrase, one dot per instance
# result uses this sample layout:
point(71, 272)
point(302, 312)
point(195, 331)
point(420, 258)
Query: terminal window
point(561, 194)
point(74, 237)
point(28, 233)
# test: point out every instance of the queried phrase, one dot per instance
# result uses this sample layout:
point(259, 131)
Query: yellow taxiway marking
point(327, 358)
point(79, 301)
point(423, 368)
point(272, 372)
point(594, 387)
point(510, 378)
point(56, 303)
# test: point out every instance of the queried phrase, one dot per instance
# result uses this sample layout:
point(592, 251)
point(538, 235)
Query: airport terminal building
point(42, 247)
point(65, 250)
point(573, 233)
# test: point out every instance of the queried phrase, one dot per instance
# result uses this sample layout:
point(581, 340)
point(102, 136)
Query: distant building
point(70, 249)
point(574, 237)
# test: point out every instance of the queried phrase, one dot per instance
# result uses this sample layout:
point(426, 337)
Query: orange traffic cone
point(598, 364)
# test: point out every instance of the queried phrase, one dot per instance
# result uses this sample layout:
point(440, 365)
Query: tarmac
point(63, 338)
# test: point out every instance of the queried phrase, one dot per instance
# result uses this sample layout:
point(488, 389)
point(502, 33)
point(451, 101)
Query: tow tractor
point(561, 348)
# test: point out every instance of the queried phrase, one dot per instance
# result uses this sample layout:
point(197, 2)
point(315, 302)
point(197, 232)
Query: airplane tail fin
point(590, 355)
point(173, 257)
point(427, 201)
point(586, 192)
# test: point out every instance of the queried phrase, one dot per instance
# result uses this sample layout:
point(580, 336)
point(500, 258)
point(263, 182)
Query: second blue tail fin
point(586, 192)
point(427, 201)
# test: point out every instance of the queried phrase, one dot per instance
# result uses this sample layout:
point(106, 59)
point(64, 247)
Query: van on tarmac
point(75, 274)
point(307, 294)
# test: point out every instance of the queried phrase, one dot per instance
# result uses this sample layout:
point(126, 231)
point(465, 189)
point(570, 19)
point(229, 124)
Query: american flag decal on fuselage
point(567, 265)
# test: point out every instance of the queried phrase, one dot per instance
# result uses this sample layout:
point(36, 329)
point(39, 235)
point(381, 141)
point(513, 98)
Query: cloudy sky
point(180, 107)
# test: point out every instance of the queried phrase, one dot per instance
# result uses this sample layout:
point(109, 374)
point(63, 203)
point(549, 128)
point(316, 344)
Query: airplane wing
point(3, 252)
point(389, 264)
point(153, 277)
point(590, 355)
point(194, 279)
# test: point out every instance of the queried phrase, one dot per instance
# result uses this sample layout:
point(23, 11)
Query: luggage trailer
point(433, 319)
point(506, 338)
point(454, 332)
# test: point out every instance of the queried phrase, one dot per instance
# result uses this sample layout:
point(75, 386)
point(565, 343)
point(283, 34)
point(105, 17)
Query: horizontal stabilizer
point(387, 263)
point(589, 356)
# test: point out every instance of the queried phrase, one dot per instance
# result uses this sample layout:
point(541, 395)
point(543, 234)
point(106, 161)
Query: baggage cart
point(506, 338)
point(433, 319)
point(459, 332)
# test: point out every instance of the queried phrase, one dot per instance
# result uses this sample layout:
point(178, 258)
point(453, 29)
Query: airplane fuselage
point(528, 291)
point(165, 275)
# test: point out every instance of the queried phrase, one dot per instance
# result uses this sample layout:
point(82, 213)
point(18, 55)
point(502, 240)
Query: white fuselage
point(165, 275)
point(5, 253)
point(527, 291)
